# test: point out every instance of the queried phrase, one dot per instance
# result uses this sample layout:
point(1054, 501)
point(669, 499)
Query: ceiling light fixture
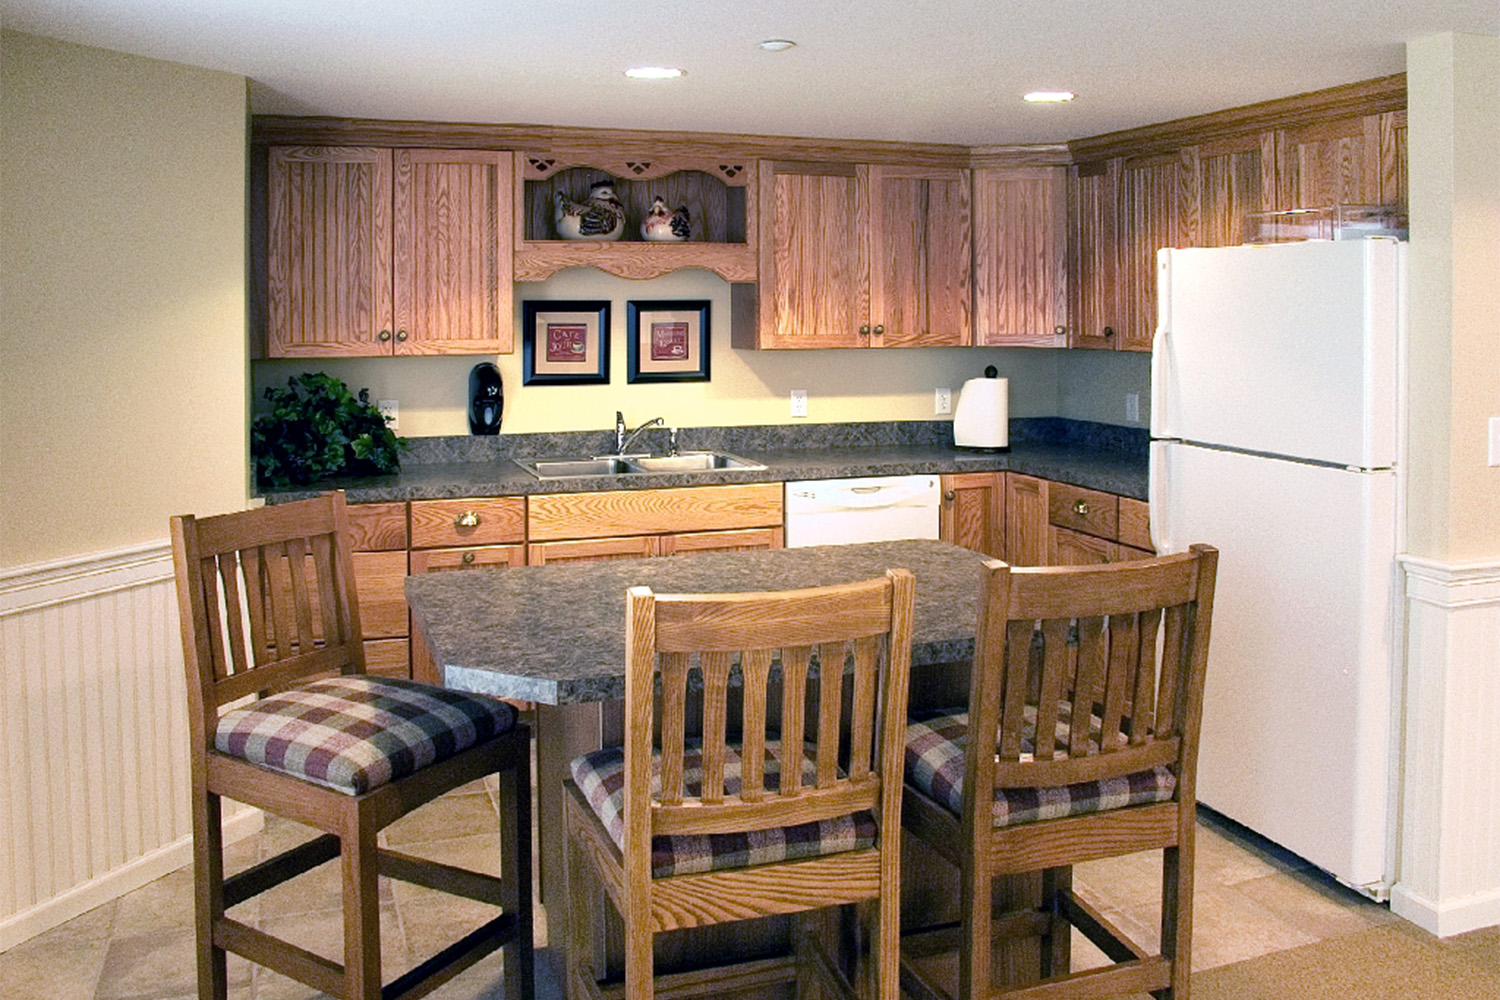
point(777, 44)
point(1048, 96)
point(654, 72)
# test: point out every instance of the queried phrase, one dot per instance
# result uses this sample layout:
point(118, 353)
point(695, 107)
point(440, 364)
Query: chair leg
point(639, 961)
point(975, 901)
point(578, 943)
point(1177, 915)
point(515, 874)
point(360, 864)
point(1058, 939)
point(208, 893)
point(886, 940)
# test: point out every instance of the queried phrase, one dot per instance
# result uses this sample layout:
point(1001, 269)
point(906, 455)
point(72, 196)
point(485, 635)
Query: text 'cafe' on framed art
point(564, 343)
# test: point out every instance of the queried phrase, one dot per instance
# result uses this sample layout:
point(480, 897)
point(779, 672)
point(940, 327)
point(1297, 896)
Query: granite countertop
point(556, 634)
point(1096, 456)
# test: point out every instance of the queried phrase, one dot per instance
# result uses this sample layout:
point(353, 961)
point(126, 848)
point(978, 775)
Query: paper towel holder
point(981, 421)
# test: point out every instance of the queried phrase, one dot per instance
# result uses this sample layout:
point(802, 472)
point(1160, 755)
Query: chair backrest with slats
point(266, 599)
point(1090, 672)
point(675, 641)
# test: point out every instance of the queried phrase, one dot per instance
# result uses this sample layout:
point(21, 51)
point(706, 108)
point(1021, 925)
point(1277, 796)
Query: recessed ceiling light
point(654, 72)
point(1048, 96)
point(777, 44)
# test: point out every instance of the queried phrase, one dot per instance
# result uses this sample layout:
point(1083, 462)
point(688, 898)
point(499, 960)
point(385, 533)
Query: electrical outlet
point(799, 402)
point(1133, 406)
point(391, 410)
point(942, 400)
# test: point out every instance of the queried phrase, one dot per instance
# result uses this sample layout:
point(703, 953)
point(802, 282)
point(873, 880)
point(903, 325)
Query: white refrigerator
point(1276, 423)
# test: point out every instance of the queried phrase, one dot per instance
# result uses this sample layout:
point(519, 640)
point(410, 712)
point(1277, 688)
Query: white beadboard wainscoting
point(93, 728)
point(1449, 876)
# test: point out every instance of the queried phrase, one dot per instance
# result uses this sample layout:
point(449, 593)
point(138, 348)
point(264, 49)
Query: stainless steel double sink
point(626, 465)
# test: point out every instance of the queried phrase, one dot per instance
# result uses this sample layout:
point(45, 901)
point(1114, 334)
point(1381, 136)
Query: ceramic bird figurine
point(600, 219)
point(662, 226)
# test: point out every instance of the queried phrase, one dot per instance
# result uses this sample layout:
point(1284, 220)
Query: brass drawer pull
point(468, 519)
point(468, 558)
point(1081, 508)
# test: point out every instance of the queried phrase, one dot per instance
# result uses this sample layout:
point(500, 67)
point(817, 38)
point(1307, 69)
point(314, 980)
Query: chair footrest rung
point(1095, 926)
point(712, 982)
point(463, 882)
point(278, 955)
point(273, 871)
point(453, 959)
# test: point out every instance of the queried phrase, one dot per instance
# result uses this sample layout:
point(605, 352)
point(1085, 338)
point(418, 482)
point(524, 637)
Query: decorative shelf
point(718, 193)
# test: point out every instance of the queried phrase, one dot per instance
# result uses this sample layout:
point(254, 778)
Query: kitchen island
point(555, 635)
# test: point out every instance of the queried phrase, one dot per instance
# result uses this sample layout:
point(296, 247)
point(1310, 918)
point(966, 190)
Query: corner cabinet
point(375, 252)
point(1058, 524)
point(719, 192)
point(1020, 257)
point(859, 255)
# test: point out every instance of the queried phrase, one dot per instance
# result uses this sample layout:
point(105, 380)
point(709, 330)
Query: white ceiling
point(918, 70)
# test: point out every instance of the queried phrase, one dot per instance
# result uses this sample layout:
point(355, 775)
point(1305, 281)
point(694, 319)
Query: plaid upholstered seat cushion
point(356, 733)
point(601, 777)
point(935, 766)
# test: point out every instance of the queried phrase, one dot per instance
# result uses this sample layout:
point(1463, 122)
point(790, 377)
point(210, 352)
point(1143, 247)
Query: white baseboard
point(117, 882)
point(1450, 917)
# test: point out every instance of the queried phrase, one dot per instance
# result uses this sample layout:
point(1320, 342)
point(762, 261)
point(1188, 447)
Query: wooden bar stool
point(1091, 680)
point(285, 718)
point(728, 827)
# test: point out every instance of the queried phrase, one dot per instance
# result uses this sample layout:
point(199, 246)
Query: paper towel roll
point(982, 417)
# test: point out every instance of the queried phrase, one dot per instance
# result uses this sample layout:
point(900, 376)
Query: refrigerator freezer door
point(1284, 349)
point(1297, 703)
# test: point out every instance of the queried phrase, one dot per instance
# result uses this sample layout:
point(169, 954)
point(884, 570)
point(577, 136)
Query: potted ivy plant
point(316, 429)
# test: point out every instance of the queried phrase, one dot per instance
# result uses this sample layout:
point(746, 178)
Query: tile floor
point(1252, 899)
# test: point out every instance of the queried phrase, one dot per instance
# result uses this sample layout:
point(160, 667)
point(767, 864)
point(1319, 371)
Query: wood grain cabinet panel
point(617, 513)
point(379, 578)
point(721, 541)
point(1074, 548)
point(378, 252)
point(1026, 524)
point(1093, 254)
point(1155, 212)
point(1090, 511)
point(377, 527)
point(593, 549)
point(1329, 163)
point(467, 522)
point(1020, 256)
point(1135, 524)
point(1230, 179)
point(854, 255)
point(973, 512)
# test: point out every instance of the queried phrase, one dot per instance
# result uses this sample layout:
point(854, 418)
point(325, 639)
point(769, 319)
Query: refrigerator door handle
point(1160, 426)
point(1156, 498)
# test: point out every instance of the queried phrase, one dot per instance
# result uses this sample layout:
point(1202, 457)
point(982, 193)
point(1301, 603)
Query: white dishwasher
point(869, 509)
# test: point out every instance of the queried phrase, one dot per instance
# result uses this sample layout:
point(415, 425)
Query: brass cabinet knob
point(1109, 331)
point(949, 495)
point(1081, 508)
point(385, 335)
point(468, 519)
point(1059, 330)
point(401, 335)
point(864, 331)
point(468, 558)
point(879, 330)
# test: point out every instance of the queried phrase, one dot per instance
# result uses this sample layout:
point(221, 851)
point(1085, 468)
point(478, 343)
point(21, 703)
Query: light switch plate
point(391, 410)
point(799, 402)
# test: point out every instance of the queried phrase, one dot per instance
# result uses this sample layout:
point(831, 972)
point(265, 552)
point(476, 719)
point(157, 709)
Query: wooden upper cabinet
point(374, 252)
point(1329, 163)
point(1093, 254)
point(853, 255)
point(1228, 180)
point(453, 249)
point(328, 267)
point(1156, 210)
point(1020, 256)
point(921, 257)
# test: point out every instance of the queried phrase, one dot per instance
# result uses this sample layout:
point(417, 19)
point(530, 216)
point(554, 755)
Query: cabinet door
point(1026, 523)
point(592, 550)
point(1231, 178)
point(1020, 256)
point(812, 256)
point(1151, 197)
point(447, 560)
point(1093, 204)
point(921, 258)
point(1329, 163)
point(720, 541)
point(1073, 548)
point(973, 512)
point(453, 251)
point(328, 266)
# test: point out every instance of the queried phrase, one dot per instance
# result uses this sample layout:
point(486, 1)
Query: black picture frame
point(564, 343)
point(667, 340)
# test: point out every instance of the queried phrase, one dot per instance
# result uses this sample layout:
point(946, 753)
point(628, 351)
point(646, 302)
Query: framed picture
point(667, 341)
point(564, 343)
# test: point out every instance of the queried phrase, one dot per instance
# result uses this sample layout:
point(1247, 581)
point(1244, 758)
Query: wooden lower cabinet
point(973, 512)
point(591, 550)
point(1058, 524)
point(1026, 526)
point(378, 535)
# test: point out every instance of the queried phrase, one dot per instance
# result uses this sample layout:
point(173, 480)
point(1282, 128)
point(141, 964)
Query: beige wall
point(747, 387)
point(1453, 102)
point(122, 215)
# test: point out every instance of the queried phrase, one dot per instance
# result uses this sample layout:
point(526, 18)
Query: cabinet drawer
point(475, 521)
point(614, 513)
point(1135, 523)
point(432, 560)
point(1088, 511)
point(377, 527)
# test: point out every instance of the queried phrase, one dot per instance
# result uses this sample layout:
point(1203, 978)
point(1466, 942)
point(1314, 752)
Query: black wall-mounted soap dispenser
point(486, 399)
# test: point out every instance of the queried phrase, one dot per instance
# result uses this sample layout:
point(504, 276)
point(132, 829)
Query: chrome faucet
point(624, 437)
